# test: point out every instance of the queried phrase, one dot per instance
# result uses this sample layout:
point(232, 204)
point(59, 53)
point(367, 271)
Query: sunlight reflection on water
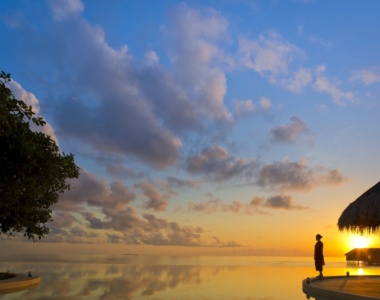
point(172, 277)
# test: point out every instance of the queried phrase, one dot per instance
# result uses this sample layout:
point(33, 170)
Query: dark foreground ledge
point(18, 282)
point(358, 287)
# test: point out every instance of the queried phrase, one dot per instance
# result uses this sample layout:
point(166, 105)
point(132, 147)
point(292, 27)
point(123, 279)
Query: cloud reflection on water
point(137, 277)
point(109, 281)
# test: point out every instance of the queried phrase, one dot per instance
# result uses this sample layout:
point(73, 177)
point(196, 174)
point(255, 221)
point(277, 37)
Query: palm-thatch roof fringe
point(363, 215)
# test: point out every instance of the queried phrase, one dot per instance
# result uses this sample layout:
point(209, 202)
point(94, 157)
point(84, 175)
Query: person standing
point(318, 255)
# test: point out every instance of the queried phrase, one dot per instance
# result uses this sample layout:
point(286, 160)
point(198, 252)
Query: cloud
point(243, 107)
point(274, 57)
point(30, 99)
point(257, 201)
point(156, 231)
point(265, 104)
point(217, 164)
point(207, 207)
point(155, 201)
point(323, 84)
point(121, 220)
point(256, 205)
point(63, 218)
point(64, 8)
point(366, 76)
point(289, 133)
point(247, 107)
point(122, 171)
point(269, 54)
point(318, 40)
point(120, 106)
point(181, 235)
point(282, 202)
point(89, 190)
point(78, 232)
point(98, 210)
point(193, 38)
point(214, 205)
point(126, 226)
point(287, 175)
point(109, 112)
point(183, 183)
point(302, 78)
point(151, 58)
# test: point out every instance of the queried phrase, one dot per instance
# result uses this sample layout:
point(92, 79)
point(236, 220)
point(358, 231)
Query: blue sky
point(237, 126)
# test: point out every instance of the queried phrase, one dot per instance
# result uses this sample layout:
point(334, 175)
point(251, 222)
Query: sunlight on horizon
point(359, 241)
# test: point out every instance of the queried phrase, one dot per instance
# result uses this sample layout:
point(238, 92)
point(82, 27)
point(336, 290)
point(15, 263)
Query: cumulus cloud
point(30, 99)
point(286, 175)
point(210, 206)
point(109, 112)
point(217, 164)
point(323, 84)
point(265, 104)
point(155, 200)
point(366, 76)
point(63, 8)
point(183, 183)
point(152, 58)
point(122, 171)
point(243, 107)
point(161, 232)
point(282, 202)
point(269, 54)
point(302, 78)
point(289, 133)
point(79, 232)
point(62, 219)
point(214, 205)
point(151, 230)
point(95, 210)
point(125, 108)
point(88, 190)
point(256, 205)
point(247, 106)
point(318, 40)
point(256, 201)
point(193, 38)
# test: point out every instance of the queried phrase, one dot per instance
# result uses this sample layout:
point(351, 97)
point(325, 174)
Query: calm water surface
point(158, 277)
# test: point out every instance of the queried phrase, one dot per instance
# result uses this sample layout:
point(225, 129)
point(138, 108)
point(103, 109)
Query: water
point(172, 277)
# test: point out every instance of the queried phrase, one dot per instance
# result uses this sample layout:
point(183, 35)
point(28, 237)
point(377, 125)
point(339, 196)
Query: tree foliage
point(33, 171)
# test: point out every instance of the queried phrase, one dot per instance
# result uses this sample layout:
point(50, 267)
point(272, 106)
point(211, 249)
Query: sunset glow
point(359, 241)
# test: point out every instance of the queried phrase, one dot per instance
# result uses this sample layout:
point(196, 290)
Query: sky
point(201, 127)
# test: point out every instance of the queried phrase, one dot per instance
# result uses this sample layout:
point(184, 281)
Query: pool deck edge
point(336, 287)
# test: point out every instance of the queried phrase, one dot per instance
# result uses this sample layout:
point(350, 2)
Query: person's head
point(318, 237)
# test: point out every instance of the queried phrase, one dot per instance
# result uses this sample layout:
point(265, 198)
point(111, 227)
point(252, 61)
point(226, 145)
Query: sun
point(359, 241)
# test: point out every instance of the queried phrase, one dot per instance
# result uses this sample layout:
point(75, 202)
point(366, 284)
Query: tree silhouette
point(33, 171)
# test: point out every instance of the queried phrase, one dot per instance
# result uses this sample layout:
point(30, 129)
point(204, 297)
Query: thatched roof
point(363, 215)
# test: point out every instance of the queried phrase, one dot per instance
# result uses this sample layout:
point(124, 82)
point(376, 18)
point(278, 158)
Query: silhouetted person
point(318, 255)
